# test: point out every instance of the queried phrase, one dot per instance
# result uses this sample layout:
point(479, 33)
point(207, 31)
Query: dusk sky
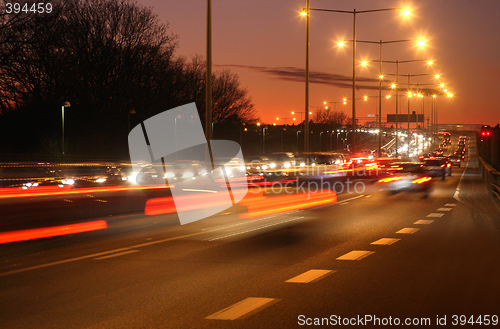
point(264, 43)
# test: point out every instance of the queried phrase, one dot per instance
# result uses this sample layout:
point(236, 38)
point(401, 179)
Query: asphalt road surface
point(392, 259)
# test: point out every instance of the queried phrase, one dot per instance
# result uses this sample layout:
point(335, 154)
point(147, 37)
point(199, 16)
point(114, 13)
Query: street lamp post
point(132, 111)
point(306, 12)
point(420, 43)
point(298, 131)
point(65, 104)
point(334, 105)
point(264, 140)
point(286, 122)
point(208, 83)
point(408, 93)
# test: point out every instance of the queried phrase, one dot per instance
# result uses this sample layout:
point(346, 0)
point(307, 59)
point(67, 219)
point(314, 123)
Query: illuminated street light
point(306, 12)
point(421, 43)
point(397, 62)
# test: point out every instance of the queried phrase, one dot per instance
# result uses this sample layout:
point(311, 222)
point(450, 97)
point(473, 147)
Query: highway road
point(398, 259)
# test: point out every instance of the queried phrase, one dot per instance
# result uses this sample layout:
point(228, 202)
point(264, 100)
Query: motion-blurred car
point(447, 139)
point(456, 160)
point(407, 177)
point(437, 167)
point(89, 174)
point(361, 167)
point(282, 160)
point(114, 173)
point(437, 153)
point(257, 168)
point(317, 165)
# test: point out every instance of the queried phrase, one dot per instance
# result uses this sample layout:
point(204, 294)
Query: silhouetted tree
point(335, 118)
point(106, 57)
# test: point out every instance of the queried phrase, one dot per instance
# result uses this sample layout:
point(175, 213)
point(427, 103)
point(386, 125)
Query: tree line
point(114, 62)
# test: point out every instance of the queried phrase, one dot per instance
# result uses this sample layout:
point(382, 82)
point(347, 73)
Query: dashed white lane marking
point(408, 230)
point(350, 199)
point(67, 200)
point(356, 255)
point(118, 254)
point(385, 241)
point(435, 214)
point(444, 209)
point(450, 205)
point(424, 222)
point(99, 200)
point(244, 308)
point(309, 276)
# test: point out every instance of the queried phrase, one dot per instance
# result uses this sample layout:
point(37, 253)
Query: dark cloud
point(342, 81)
point(298, 75)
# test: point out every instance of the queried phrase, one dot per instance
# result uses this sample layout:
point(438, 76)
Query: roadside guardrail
point(491, 177)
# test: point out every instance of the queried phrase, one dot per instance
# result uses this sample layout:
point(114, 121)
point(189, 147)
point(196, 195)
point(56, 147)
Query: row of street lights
point(420, 43)
point(306, 12)
point(419, 94)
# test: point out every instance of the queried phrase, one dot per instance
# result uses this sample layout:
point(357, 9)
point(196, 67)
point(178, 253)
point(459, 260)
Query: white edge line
point(254, 229)
point(118, 254)
point(457, 191)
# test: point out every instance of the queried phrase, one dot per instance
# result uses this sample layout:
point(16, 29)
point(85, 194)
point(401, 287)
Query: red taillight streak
point(266, 206)
point(52, 191)
point(45, 232)
point(421, 180)
point(257, 204)
point(390, 179)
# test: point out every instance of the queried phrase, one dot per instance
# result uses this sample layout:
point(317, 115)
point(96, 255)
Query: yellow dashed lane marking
point(424, 222)
point(408, 230)
point(356, 255)
point(309, 276)
point(385, 241)
point(435, 214)
point(243, 308)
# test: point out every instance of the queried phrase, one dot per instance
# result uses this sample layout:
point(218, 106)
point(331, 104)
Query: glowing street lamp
point(396, 87)
point(420, 43)
point(306, 12)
